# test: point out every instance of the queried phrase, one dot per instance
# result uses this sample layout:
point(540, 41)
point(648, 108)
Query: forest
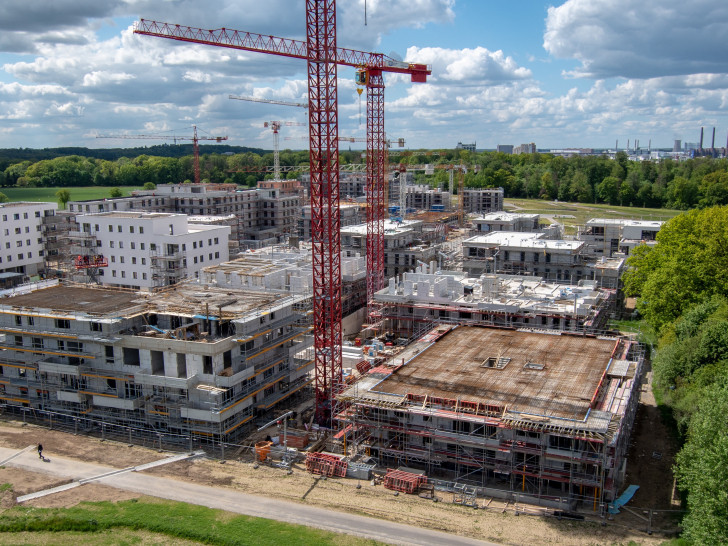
point(681, 286)
point(683, 185)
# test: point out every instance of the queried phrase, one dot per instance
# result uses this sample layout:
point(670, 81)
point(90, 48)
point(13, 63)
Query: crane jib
point(286, 47)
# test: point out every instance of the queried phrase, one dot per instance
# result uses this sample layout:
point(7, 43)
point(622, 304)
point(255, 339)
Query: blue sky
point(575, 73)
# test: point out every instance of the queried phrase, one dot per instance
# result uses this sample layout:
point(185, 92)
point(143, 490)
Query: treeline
point(598, 179)
point(16, 155)
point(699, 182)
point(77, 170)
point(682, 290)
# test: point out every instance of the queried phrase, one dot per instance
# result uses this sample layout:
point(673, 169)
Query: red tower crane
point(195, 146)
point(322, 56)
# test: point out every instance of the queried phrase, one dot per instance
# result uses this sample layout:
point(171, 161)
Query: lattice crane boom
point(270, 101)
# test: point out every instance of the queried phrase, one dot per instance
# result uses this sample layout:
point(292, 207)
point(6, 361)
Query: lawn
point(174, 520)
point(78, 193)
point(574, 214)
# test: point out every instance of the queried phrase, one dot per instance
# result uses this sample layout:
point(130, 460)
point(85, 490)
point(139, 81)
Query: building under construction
point(417, 300)
point(545, 415)
point(191, 362)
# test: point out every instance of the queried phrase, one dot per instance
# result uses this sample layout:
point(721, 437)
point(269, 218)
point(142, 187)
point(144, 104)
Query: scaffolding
point(575, 455)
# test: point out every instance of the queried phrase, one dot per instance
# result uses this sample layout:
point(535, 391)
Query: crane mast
point(322, 57)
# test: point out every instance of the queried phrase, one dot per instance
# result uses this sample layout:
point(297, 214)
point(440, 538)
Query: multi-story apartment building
point(546, 417)
point(525, 253)
point(482, 201)
point(607, 236)
point(291, 271)
point(406, 244)
point(265, 215)
point(525, 149)
point(145, 250)
point(506, 221)
point(418, 299)
point(22, 248)
point(420, 197)
point(194, 363)
point(350, 214)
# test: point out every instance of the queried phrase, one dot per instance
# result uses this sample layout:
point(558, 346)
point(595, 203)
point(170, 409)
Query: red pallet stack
point(327, 465)
point(405, 482)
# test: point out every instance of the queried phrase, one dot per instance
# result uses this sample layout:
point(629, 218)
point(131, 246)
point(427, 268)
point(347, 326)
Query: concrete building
point(145, 250)
point(607, 236)
point(419, 299)
point(289, 270)
point(265, 215)
point(525, 254)
point(466, 147)
point(482, 201)
point(350, 214)
point(192, 363)
point(525, 149)
point(506, 221)
point(420, 197)
point(22, 251)
point(504, 148)
point(505, 412)
point(406, 244)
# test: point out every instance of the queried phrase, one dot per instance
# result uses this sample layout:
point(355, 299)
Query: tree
point(150, 186)
point(115, 192)
point(63, 196)
point(702, 469)
point(4, 198)
point(608, 190)
point(688, 265)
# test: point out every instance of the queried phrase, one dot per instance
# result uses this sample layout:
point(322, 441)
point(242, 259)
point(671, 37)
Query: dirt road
point(497, 524)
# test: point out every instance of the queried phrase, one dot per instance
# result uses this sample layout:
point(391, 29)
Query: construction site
point(499, 411)
point(194, 363)
point(335, 353)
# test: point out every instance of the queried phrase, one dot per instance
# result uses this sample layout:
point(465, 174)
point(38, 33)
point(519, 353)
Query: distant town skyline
point(580, 73)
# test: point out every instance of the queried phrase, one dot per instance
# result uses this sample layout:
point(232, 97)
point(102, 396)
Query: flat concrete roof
point(503, 216)
point(547, 375)
point(77, 299)
point(184, 299)
point(131, 214)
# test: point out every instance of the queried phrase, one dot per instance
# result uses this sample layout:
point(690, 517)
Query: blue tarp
point(623, 499)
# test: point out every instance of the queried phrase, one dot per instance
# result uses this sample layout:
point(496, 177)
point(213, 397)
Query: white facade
point(506, 221)
point(22, 236)
point(146, 250)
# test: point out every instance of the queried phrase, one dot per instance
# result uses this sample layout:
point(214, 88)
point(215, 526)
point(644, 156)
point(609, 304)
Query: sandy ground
point(498, 523)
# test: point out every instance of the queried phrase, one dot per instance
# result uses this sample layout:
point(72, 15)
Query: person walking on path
point(40, 451)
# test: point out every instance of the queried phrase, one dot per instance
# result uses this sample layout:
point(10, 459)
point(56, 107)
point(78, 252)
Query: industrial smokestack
point(712, 145)
point(700, 146)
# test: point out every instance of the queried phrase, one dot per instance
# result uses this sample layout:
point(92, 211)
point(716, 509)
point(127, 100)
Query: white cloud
point(623, 38)
point(477, 65)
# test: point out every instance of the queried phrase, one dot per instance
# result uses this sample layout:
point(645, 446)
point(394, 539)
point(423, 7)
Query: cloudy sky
point(577, 73)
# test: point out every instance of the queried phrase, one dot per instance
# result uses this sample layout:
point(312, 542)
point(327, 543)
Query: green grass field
point(573, 214)
point(81, 193)
point(172, 522)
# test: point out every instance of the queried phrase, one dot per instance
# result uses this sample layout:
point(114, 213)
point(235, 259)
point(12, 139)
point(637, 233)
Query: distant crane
point(275, 126)
point(270, 101)
point(194, 138)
